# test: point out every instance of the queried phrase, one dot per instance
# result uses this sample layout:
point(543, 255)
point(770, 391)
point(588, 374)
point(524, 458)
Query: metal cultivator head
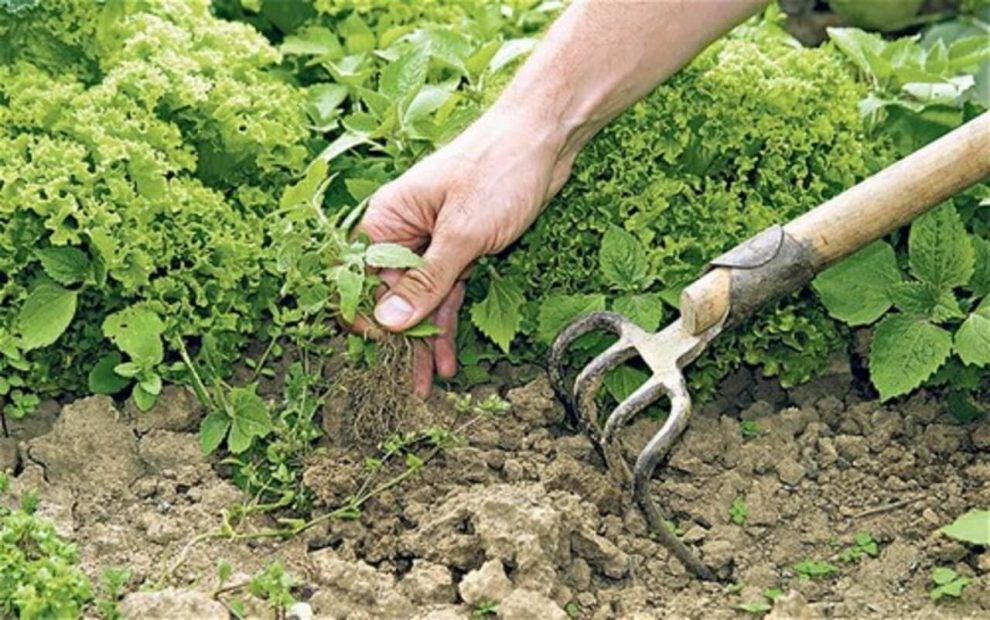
point(665, 353)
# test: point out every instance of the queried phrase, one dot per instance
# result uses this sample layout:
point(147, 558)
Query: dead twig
point(887, 507)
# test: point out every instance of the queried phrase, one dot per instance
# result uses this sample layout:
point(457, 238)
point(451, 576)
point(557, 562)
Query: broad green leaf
point(143, 399)
point(102, 378)
point(860, 47)
point(250, 418)
point(623, 381)
point(980, 282)
point(324, 101)
point(925, 300)
point(152, 385)
point(973, 340)
point(906, 351)
point(406, 75)
point(428, 100)
point(556, 311)
point(306, 190)
point(942, 575)
point(510, 51)
point(360, 189)
point(499, 314)
point(358, 37)
point(855, 290)
point(954, 588)
point(940, 251)
point(64, 264)
point(45, 315)
point(424, 329)
point(477, 62)
point(972, 527)
point(392, 256)
point(312, 41)
point(645, 310)
point(136, 331)
point(212, 430)
point(622, 259)
point(349, 286)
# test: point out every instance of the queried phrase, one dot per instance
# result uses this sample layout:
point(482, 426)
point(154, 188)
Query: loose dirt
point(523, 514)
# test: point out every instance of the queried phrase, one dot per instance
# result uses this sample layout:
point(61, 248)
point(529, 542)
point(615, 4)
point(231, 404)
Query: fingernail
point(393, 312)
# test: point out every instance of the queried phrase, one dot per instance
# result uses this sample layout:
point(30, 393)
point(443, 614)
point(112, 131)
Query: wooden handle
point(876, 207)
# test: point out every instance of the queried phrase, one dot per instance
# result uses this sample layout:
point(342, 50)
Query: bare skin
point(480, 192)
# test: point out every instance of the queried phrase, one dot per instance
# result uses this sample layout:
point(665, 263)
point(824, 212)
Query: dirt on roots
point(523, 515)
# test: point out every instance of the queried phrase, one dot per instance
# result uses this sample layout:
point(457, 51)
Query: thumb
point(421, 290)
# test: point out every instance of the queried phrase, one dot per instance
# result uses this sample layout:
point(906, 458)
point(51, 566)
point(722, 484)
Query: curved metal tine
point(658, 446)
point(609, 321)
point(589, 380)
point(644, 396)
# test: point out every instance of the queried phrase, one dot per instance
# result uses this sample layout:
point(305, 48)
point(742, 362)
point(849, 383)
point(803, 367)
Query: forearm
point(603, 55)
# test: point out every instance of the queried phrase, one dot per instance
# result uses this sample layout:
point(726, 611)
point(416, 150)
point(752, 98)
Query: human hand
point(472, 197)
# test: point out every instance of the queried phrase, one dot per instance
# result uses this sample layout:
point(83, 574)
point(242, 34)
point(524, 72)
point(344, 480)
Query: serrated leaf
point(350, 284)
point(939, 250)
point(499, 314)
point(622, 259)
point(623, 381)
point(925, 300)
point(66, 265)
point(855, 290)
point(979, 284)
point(973, 340)
point(136, 331)
point(392, 256)
point(212, 430)
point(45, 315)
point(103, 380)
point(556, 311)
point(250, 418)
point(645, 310)
point(406, 75)
point(906, 351)
point(972, 527)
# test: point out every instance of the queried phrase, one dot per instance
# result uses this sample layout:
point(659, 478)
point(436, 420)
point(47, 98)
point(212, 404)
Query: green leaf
point(45, 315)
point(425, 329)
point(972, 527)
point(940, 251)
point(980, 282)
point(137, 331)
point(855, 290)
point(645, 310)
point(862, 48)
point(406, 75)
point(622, 259)
point(973, 340)
point(942, 575)
point(350, 284)
point(758, 608)
point(307, 190)
point(102, 378)
point(923, 299)
point(906, 351)
point(623, 381)
point(66, 265)
point(312, 41)
point(953, 588)
point(212, 430)
point(358, 37)
point(557, 311)
point(392, 256)
point(324, 102)
point(143, 399)
point(499, 314)
point(250, 418)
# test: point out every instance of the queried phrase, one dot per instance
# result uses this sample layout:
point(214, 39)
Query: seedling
point(737, 511)
point(947, 583)
point(758, 608)
point(485, 608)
point(863, 545)
point(811, 569)
point(750, 429)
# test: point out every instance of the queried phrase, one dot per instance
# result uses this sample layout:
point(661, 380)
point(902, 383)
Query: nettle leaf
point(250, 418)
point(923, 299)
point(350, 285)
point(644, 310)
point(856, 290)
point(972, 527)
point(973, 340)
point(392, 256)
point(939, 250)
point(45, 315)
point(103, 380)
point(212, 430)
point(980, 282)
point(623, 381)
point(622, 259)
point(906, 351)
point(556, 311)
point(137, 331)
point(66, 265)
point(499, 314)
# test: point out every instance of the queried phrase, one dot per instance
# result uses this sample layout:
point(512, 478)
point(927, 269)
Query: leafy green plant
point(948, 583)
point(813, 569)
point(972, 527)
point(114, 582)
point(941, 307)
point(761, 607)
point(863, 544)
point(485, 608)
point(738, 512)
point(750, 429)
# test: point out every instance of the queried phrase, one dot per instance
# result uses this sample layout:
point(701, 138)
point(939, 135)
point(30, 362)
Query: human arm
point(479, 193)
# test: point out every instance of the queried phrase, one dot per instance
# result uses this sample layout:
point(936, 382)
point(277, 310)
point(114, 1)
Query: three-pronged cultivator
point(778, 261)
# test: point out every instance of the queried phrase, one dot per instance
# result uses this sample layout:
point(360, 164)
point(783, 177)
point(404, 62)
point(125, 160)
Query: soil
point(523, 514)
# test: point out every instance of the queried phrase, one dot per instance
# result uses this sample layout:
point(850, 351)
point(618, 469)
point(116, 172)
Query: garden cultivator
point(778, 261)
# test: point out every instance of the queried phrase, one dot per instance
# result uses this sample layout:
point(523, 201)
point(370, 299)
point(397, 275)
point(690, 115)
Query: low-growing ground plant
point(738, 513)
point(815, 569)
point(947, 583)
